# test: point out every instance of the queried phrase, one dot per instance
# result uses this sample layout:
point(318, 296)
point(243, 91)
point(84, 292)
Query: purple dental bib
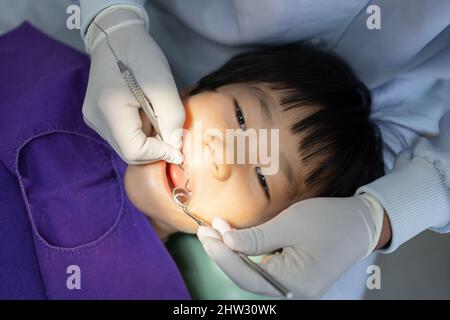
point(67, 228)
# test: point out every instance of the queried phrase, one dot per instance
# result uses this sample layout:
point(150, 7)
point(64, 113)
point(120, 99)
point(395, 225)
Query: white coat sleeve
point(256, 22)
point(416, 193)
point(91, 8)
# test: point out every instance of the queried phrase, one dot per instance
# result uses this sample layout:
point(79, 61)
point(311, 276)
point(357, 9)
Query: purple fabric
point(62, 197)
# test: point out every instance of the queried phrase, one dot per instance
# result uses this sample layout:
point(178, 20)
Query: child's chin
point(174, 220)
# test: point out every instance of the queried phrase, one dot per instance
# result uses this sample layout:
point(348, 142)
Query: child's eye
point(262, 181)
point(240, 116)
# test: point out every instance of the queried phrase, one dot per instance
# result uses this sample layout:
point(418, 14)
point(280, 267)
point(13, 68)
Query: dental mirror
point(181, 196)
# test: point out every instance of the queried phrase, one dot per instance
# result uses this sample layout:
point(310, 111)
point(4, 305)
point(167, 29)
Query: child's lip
point(166, 179)
point(179, 177)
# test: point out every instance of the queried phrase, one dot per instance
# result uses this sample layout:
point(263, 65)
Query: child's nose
point(221, 171)
point(215, 154)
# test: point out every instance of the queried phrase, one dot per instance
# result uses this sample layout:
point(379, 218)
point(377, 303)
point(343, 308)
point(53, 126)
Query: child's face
point(219, 187)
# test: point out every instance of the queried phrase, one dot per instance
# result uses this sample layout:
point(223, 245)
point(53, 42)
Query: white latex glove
point(109, 106)
point(321, 239)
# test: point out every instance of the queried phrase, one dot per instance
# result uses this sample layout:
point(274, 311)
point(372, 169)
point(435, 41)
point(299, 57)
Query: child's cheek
point(188, 110)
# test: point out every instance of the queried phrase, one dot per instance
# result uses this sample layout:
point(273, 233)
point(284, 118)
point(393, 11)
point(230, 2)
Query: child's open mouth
point(169, 177)
point(177, 177)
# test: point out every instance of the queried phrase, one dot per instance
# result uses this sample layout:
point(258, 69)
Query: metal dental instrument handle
point(182, 197)
point(143, 100)
point(267, 276)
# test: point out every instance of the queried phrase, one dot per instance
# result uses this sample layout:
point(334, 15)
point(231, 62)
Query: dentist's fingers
point(205, 232)
point(136, 147)
point(145, 149)
point(155, 149)
point(270, 236)
point(125, 129)
point(220, 225)
point(236, 268)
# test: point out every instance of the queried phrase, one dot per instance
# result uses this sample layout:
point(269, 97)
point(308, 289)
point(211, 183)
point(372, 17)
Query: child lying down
point(67, 190)
point(67, 229)
point(327, 144)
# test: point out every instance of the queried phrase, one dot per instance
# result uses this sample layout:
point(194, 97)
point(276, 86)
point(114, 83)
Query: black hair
point(339, 142)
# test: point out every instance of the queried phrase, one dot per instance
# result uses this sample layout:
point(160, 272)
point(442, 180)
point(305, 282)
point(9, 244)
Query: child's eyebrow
point(261, 97)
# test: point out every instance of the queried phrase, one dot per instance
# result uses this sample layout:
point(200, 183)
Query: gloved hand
point(321, 239)
point(109, 106)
